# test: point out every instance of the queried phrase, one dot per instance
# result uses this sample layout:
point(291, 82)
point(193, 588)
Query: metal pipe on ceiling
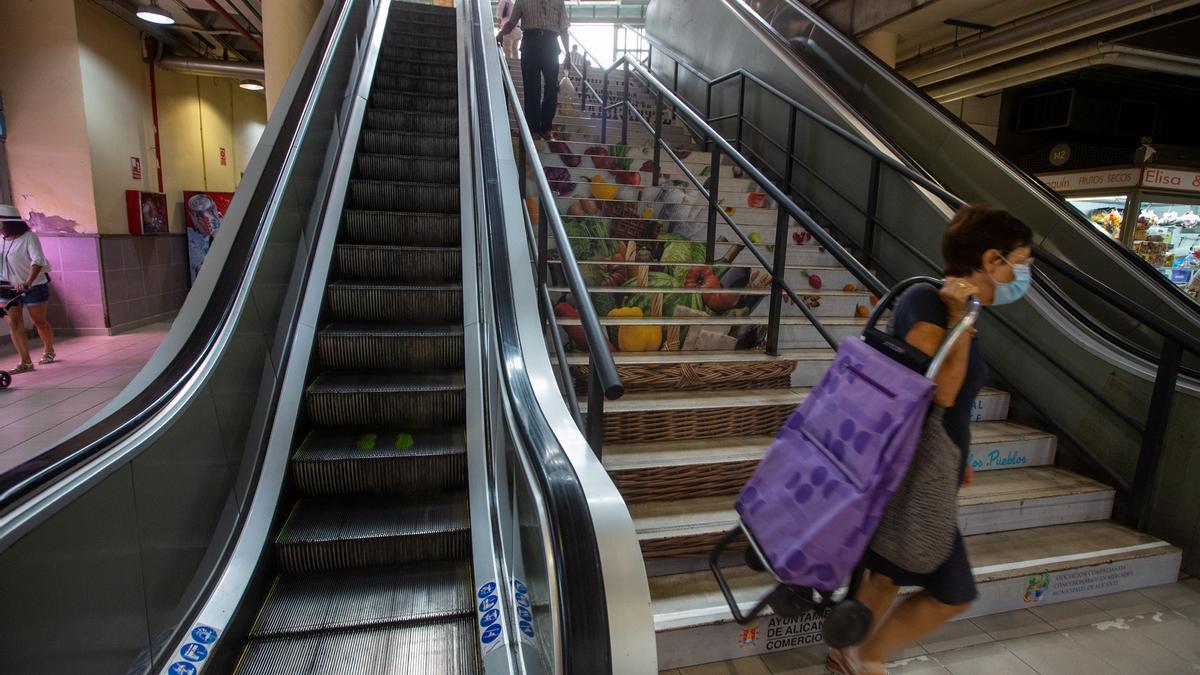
point(238, 70)
point(1056, 28)
point(236, 24)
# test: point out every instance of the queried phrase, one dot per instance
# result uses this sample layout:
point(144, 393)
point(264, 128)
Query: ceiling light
point(252, 85)
point(155, 14)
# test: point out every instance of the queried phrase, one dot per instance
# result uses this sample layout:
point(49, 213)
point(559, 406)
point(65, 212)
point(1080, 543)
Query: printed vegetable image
point(756, 237)
point(648, 165)
point(564, 152)
point(602, 189)
point(600, 158)
point(861, 311)
point(587, 238)
point(703, 277)
point(564, 310)
point(560, 181)
point(628, 177)
point(670, 300)
point(849, 288)
point(756, 200)
point(814, 281)
point(532, 205)
point(684, 252)
point(636, 338)
point(620, 154)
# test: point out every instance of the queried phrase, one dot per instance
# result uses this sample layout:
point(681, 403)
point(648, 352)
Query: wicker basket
point(660, 426)
point(727, 376)
point(670, 483)
point(693, 545)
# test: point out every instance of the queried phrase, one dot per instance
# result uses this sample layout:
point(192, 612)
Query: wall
point(47, 147)
point(982, 113)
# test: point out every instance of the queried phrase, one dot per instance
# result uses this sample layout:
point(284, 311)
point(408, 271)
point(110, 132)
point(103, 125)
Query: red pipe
point(236, 24)
point(154, 115)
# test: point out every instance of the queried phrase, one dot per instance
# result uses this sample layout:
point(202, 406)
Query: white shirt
point(19, 257)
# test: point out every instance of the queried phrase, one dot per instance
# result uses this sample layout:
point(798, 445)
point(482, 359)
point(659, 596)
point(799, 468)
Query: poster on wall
point(203, 212)
point(146, 211)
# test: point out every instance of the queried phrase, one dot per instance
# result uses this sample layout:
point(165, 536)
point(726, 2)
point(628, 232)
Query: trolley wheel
point(753, 561)
point(847, 624)
point(787, 601)
point(5, 379)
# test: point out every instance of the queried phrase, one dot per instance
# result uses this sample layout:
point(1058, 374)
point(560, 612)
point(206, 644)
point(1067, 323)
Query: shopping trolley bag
point(812, 505)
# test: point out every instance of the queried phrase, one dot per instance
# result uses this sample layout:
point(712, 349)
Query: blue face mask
point(1012, 291)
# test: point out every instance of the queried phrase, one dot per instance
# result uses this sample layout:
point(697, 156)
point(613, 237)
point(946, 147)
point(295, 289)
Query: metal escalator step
point(416, 229)
point(425, 305)
point(396, 120)
point(386, 195)
point(378, 142)
point(446, 647)
point(355, 532)
point(422, 68)
point(411, 348)
point(400, 264)
point(406, 168)
point(436, 86)
point(413, 402)
point(306, 603)
point(402, 52)
point(382, 462)
point(439, 41)
point(413, 102)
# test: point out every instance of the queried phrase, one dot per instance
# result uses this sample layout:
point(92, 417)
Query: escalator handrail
point(1057, 200)
point(35, 474)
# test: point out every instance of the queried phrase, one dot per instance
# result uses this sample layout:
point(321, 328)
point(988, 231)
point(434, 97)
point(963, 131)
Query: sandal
point(847, 662)
point(48, 357)
point(25, 367)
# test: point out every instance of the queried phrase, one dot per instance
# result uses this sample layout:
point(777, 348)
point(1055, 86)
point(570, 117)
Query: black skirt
point(953, 583)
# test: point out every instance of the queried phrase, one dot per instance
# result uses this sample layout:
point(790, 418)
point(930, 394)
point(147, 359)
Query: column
point(286, 24)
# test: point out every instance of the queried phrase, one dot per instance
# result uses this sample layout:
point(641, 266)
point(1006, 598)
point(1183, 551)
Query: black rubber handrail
point(35, 474)
point(586, 645)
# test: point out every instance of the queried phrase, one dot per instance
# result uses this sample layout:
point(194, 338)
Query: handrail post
point(707, 111)
point(522, 166)
point(583, 87)
point(625, 108)
point(658, 126)
point(594, 431)
point(604, 111)
point(782, 225)
point(1157, 418)
point(675, 88)
point(741, 108)
point(871, 212)
point(714, 186)
point(543, 243)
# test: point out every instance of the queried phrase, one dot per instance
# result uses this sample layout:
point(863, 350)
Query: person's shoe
point(48, 357)
point(25, 367)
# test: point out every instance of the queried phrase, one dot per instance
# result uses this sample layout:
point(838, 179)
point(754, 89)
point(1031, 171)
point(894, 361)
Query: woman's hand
point(968, 478)
point(955, 293)
point(20, 287)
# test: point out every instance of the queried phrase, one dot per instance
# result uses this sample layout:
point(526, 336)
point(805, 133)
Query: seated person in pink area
point(23, 269)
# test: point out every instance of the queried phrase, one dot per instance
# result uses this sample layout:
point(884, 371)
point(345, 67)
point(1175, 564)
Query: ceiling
point(213, 29)
point(924, 29)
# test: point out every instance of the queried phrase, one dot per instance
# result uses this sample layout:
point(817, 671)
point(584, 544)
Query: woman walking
point(23, 270)
point(987, 254)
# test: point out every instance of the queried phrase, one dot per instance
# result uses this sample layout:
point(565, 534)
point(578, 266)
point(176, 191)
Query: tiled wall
point(145, 277)
point(76, 296)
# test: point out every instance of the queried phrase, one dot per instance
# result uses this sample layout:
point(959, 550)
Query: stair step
point(406, 168)
point(375, 346)
point(331, 462)
point(338, 533)
point(630, 204)
point(419, 305)
point(398, 52)
point(439, 146)
point(397, 120)
point(405, 67)
point(413, 102)
point(400, 264)
point(444, 647)
point(406, 37)
point(372, 399)
point(382, 596)
point(388, 195)
point(794, 331)
point(414, 229)
point(447, 86)
point(709, 370)
point(1014, 570)
point(823, 303)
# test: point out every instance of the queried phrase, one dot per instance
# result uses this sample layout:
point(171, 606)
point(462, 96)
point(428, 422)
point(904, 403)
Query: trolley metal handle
point(968, 320)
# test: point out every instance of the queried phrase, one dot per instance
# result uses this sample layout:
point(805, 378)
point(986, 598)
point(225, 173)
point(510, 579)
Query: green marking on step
point(404, 441)
point(366, 442)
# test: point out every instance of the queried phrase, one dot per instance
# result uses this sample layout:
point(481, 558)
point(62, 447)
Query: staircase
point(704, 401)
point(374, 556)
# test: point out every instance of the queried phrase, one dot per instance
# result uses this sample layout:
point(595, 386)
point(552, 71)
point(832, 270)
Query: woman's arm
point(928, 337)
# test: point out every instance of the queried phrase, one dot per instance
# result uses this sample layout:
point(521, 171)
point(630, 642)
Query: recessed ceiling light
point(252, 85)
point(155, 14)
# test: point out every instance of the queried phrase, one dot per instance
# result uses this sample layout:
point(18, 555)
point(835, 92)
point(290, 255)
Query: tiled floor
point(1149, 632)
point(42, 407)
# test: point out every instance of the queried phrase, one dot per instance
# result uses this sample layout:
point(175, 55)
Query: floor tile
point(1127, 604)
point(1181, 638)
point(1012, 624)
point(802, 661)
point(922, 664)
point(987, 659)
point(1129, 651)
point(1064, 615)
point(1173, 596)
point(954, 635)
point(751, 665)
point(1057, 654)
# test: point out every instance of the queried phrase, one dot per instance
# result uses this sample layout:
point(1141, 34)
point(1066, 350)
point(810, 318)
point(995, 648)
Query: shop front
point(1152, 210)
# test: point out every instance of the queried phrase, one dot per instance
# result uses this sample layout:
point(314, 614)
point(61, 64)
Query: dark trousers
point(539, 70)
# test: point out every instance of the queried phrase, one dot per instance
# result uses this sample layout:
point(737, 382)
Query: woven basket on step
point(660, 426)
point(669, 483)
point(671, 339)
point(694, 376)
point(698, 544)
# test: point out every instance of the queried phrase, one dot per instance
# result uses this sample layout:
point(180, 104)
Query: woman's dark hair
point(976, 230)
point(13, 228)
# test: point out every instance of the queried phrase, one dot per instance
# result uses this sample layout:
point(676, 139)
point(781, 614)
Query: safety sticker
point(491, 623)
point(191, 656)
point(181, 668)
point(194, 652)
point(524, 615)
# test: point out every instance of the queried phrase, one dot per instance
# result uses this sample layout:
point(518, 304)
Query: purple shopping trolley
point(812, 505)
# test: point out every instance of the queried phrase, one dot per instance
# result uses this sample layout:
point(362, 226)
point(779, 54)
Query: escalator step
point(355, 532)
point(386, 195)
point(368, 346)
point(396, 120)
point(424, 305)
point(398, 67)
point(411, 402)
point(402, 52)
point(422, 103)
point(356, 462)
point(416, 229)
point(447, 647)
point(305, 603)
point(442, 146)
point(436, 86)
point(406, 167)
point(400, 264)
point(436, 40)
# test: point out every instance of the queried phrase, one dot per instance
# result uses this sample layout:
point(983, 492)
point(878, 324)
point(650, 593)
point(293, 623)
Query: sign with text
point(203, 212)
point(135, 167)
point(1152, 177)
